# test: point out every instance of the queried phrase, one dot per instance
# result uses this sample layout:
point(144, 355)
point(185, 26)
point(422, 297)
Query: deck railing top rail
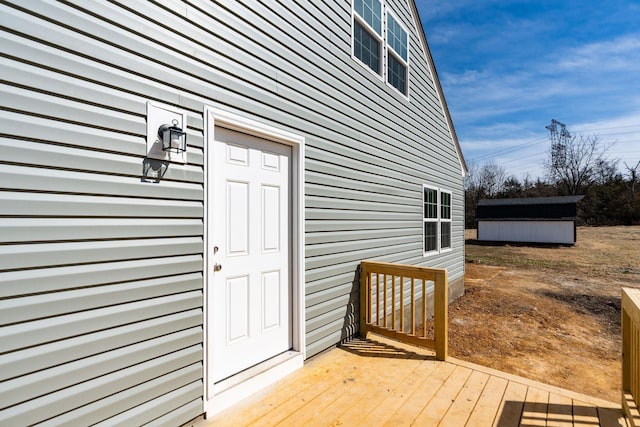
point(384, 290)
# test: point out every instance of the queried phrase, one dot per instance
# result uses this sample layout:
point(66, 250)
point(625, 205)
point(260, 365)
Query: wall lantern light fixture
point(173, 138)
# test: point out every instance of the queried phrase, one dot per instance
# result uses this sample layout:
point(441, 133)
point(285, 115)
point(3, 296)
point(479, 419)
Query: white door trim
point(215, 402)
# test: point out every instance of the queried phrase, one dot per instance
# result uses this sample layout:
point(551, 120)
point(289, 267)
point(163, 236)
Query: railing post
point(626, 348)
point(365, 304)
point(441, 314)
point(631, 355)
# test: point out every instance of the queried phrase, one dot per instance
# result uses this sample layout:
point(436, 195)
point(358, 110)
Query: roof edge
point(551, 200)
point(436, 79)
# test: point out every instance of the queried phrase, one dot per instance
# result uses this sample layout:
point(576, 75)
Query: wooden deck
point(381, 383)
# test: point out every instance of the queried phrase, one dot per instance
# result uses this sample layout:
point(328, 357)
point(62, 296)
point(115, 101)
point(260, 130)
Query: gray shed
point(149, 284)
point(530, 220)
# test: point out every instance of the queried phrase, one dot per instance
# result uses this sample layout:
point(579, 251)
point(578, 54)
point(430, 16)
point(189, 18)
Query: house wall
point(557, 232)
point(101, 266)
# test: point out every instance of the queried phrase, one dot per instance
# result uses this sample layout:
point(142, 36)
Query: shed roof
point(558, 200)
point(529, 209)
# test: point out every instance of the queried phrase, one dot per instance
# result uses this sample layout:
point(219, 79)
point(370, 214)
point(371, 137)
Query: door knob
point(217, 267)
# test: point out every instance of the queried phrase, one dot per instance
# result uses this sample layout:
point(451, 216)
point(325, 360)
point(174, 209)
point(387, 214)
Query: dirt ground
point(551, 314)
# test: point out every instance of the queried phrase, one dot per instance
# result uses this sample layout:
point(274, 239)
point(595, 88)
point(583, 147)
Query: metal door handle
point(217, 267)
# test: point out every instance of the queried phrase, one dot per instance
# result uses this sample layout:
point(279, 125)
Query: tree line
point(574, 166)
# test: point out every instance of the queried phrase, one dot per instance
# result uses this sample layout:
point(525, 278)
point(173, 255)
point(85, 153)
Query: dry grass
point(548, 313)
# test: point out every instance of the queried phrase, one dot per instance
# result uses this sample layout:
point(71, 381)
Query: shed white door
point(250, 318)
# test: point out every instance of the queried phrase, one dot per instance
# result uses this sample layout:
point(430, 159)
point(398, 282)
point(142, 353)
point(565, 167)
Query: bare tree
point(605, 171)
point(486, 181)
point(574, 163)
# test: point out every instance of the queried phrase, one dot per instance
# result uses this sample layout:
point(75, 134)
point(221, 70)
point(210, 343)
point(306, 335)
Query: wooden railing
point(384, 288)
point(631, 354)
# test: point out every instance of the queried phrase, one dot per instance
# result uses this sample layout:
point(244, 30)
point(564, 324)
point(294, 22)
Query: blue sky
point(509, 67)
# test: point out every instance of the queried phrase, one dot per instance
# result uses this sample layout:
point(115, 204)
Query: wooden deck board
point(402, 411)
point(444, 398)
point(424, 381)
point(534, 412)
point(585, 415)
point(371, 383)
point(611, 418)
point(461, 408)
point(484, 413)
point(510, 411)
point(303, 398)
point(263, 403)
point(367, 383)
point(368, 407)
point(560, 411)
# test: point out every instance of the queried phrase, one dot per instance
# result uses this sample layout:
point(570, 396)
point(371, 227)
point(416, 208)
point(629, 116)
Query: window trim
point(389, 50)
point(380, 37)
point(449, 220)
point(438, 221)
point(426, 220)
point(385, 47)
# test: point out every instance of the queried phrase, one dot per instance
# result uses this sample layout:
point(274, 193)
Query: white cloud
point(621, 53)
point(465, 77)
point(623, 132)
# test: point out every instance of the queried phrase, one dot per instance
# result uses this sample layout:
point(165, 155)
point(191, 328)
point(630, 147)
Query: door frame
point(266, 373)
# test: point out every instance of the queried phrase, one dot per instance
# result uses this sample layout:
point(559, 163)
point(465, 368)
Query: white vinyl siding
point(101, 268)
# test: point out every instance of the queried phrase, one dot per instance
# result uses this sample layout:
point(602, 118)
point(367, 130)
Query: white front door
point(250, 318)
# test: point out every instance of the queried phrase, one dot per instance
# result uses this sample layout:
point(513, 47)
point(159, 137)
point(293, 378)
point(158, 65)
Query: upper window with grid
point(367, 33)
point(381, 43)
point(397, 55)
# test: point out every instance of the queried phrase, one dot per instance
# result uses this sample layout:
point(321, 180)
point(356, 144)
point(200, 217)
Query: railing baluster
point(393, 302)
point(424, 308)
point(369, 296)
point(378, 299)
point(384, 304)
point(401, 296)
point(413, 306)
